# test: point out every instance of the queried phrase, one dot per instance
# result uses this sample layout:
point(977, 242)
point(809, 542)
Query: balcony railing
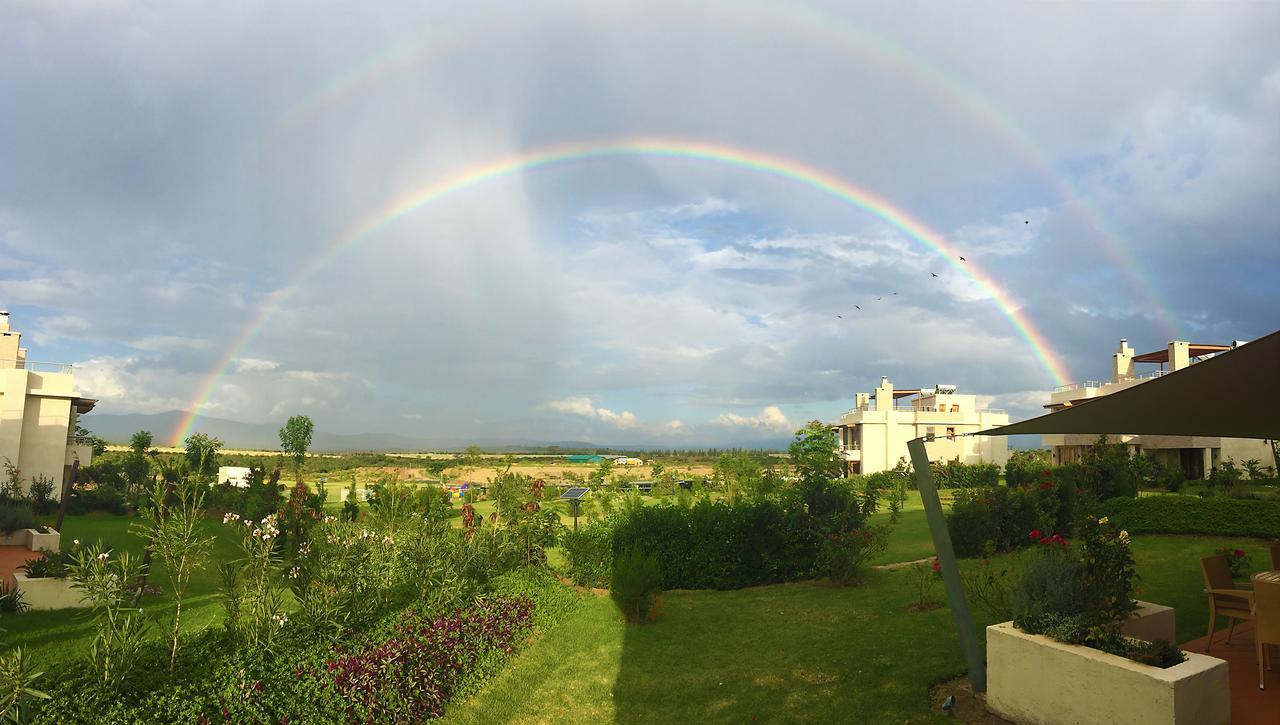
point(35, 366)
point(1099, 384)
point(79, 441)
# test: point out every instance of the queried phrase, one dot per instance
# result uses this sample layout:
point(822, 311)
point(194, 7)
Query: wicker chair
point(1224, 599)
point(1266, 622)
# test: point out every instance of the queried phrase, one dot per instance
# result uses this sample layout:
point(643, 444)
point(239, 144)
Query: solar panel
point(576, 492)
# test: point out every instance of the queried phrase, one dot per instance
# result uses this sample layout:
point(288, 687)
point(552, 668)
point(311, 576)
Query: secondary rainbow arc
point(659, 148)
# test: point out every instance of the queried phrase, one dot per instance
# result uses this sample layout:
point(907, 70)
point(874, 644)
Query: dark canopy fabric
point(1235, 394)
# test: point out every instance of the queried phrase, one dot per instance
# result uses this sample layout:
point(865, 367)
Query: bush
point(15, 516)
point(845, 553)
point(1215, 516)
point(1025, 468)
point(954, 474)
point(635, 585)
point(41, 495)
point(589, 551)
point(713, 545)
point(48, 565)
point(99, 498)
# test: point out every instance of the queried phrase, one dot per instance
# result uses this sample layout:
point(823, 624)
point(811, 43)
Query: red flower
point(1034, 535)
point(937, 567)
point(1238, 552)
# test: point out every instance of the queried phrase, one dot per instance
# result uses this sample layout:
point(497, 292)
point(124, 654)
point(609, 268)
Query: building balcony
point(36, 366)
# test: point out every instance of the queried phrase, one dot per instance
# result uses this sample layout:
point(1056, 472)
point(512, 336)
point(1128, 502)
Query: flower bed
point(1035, 679)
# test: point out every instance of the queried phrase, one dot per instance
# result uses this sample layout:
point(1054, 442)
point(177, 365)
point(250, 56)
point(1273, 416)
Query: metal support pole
point(947, 562)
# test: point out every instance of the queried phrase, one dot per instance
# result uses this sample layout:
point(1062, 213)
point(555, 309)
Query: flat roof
point(1162, 355)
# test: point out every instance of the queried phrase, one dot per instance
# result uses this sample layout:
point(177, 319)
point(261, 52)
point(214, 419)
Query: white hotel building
point(1196, 455)
point(873, 435)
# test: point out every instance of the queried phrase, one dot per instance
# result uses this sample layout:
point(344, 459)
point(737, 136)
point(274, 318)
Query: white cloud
point(583, 406)
point(770, 419)
point(251, 364)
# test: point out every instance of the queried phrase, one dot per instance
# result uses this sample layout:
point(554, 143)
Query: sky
point(194, 196)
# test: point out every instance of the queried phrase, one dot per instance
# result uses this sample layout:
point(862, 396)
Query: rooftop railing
point(35, 366)
point(1101, 383)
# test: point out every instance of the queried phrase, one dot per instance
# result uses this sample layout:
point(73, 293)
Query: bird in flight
point(935, 274)
point(856, 307)
point(1026, 221)
point(840, 317)
point(879, 298)
point(962, 259)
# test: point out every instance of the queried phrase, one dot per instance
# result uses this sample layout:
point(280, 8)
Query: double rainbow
point(657, 148)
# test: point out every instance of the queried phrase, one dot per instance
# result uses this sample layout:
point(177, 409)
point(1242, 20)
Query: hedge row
point(1172, 514)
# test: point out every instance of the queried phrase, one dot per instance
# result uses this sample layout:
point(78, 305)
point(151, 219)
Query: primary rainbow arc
point(660, 148)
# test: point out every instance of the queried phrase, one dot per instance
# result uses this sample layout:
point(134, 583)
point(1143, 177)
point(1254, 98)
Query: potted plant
point(1068, 640)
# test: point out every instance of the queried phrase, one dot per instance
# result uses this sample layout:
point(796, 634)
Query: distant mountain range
point(265, 436)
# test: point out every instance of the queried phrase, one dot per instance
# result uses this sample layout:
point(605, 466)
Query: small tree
point(140, 442)
point(172, 524)
point(295, 439)
point(202, 455)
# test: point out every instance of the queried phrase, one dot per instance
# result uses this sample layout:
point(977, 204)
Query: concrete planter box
point(48, 593)
point(33, 539)
point(1152, 622)
point(1034, 679)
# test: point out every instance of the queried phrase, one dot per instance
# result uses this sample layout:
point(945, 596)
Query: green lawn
point(785, 653)
point(790, 653)
point(55, 636)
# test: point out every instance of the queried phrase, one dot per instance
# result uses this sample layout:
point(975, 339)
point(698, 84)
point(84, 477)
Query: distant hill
point(265, 436)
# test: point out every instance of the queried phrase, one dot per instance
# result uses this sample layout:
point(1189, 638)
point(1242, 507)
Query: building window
point(951, 431)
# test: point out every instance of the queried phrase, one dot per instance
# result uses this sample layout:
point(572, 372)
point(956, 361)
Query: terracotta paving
point(12, 557)
point(1249, 705)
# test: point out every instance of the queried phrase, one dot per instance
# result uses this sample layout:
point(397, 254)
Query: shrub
point(1082, 597)
point(41, 495)
point(11, 598)
point(635, 585)
point(1025, 468)
point(714, 545)
point(16, 691)
point(15, 516)
point(1215, 516)
point(1046, 591)
point(954, 474)
point(994, 586)
point(100, 498)
point(846, 552)
point(589, 551)
point(49, 565)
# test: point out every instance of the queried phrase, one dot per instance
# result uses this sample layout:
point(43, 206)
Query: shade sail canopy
point(1235, 394)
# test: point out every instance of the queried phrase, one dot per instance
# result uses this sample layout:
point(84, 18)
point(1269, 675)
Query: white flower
point(387, 539)
point(330, 519)
point(1124, 536)
point(1104, 520)
point(76, 542)
point(103, 556)
point(229, 517)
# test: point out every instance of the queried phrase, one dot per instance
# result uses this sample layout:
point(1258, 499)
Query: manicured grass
point(61, 635)
point(785, 653)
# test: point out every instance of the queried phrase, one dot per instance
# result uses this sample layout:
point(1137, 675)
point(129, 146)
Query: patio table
point(1272, 576)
